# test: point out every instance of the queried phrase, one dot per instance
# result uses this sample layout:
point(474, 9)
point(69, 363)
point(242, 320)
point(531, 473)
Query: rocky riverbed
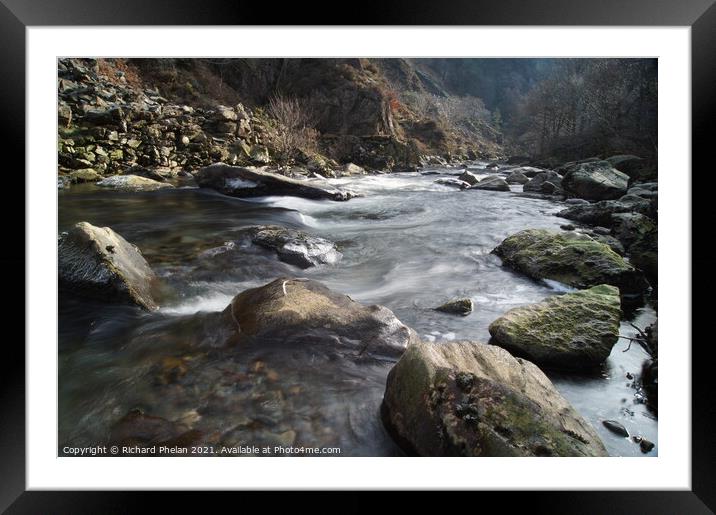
point(284, 320)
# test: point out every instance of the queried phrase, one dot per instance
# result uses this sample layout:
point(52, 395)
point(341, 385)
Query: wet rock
point(537, 183)
point(567, 227)
point(99, 263)
point(595, 180)
point(493, 183)
point(647, 190)
point(469, 178)
point(132, 182)
point(472, 399)
point(295, 247)
point(600, 213)
point(297, 312)
point(616, 428)
point(570, 258)
point(255, 182)
point(154, 174)
point(529, 171)
point(450, 181)
point(571, 331)
point(517, 177)
point(646, 446)
point(639, 235)
point(457, 307)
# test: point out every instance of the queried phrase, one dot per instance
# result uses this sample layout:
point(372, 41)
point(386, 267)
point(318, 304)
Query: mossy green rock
point(571, 258)
point(575, 330)
point(457, 307)
point(472, 399)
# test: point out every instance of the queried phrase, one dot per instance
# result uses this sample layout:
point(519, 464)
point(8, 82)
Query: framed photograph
point(416, 252)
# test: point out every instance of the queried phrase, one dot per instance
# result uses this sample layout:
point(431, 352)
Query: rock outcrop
point(571, 331)
point(570, 258)
point(472, 399)
point(99, 263)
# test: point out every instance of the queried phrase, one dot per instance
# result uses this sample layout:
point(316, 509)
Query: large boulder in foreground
point(472, 399)
point(99, 263)
point(595, 180)
point(570, 258)
point(295, 247)
point(302, 312)
point(237, 181)
point(571, 331)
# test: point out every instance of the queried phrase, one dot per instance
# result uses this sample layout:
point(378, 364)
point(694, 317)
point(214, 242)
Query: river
point(407, 243)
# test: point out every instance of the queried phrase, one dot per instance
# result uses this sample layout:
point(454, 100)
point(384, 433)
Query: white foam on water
point(558, 286)
point(206, 303)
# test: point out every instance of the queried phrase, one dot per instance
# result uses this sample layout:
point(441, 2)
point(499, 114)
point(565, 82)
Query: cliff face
point(179, 114)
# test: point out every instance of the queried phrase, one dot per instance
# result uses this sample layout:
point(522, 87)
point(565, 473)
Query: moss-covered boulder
point(99, 263)
point(575, 330)
point(456, 307)
point(472, 399)
point(570, 258)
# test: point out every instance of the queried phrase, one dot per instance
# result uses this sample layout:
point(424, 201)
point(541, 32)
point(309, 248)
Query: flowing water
point(408, 243)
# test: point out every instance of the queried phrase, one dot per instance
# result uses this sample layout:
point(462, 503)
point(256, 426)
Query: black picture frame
point(700, 15)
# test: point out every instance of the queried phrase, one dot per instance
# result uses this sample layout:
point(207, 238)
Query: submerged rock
point(492, 182)
point(255, 182)
point(457, 307)
point(451, 181)
point(132, 182)
point(472, 399)
point(295, 247)
point(99, 263)
point(616, 428)
point(570, 258)
point(299, 312)
point(575, 330)
point(595, 180)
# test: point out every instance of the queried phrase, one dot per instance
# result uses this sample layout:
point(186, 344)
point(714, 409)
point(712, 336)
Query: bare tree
point(295, 122)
